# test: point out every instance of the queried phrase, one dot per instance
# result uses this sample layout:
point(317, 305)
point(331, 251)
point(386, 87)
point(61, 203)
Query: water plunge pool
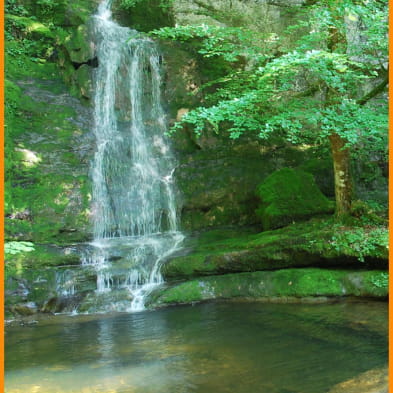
point(232, 347)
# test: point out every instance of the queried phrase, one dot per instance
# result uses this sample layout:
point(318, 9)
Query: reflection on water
point(211, 348)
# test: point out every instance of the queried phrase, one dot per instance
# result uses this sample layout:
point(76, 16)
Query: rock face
point(218, 183)
point(54, 145)
point(290, 195)
point(49, 145)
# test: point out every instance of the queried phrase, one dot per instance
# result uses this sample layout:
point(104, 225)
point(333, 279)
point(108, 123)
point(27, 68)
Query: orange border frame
point(390, 197)
point(390, 334)
point(2, 196)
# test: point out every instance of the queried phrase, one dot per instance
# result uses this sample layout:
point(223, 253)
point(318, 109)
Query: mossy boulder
point(280, 285)
point(33, 28)
point(289, 195)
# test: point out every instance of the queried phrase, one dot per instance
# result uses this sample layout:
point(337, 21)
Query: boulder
point(290, 195)
point(25, 309)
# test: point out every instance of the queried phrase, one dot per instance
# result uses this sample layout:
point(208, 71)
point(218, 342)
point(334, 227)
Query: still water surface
point(208, 348)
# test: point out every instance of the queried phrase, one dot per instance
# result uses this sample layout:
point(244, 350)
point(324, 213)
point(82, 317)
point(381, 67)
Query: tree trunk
point(342, 178)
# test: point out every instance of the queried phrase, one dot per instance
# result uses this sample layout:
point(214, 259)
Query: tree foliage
point(289, 92)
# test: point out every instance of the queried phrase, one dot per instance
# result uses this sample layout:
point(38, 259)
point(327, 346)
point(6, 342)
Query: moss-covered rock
point(47, 150)
point(79, 46)
point(25, 309)
point(33, 28)
point(289, 195)
point(277, 285)
point(314, 243)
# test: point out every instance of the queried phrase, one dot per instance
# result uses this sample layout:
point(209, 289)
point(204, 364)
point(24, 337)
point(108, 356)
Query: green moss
point(310, 282)
point(46, 181)
point(19, 65)
point(30, 25)
point(314, 243)
point(51, 217)
point(290, 195)
point(189, 266)
point(281, 284)
point(12, 93)
point(78, 45)
point(189, 292)
point(223, 236)
point(46, 187)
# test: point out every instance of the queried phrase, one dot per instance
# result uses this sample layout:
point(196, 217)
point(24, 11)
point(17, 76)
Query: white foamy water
point(133, 201)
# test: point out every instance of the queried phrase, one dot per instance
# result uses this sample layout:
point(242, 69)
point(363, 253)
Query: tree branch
point(377, 89)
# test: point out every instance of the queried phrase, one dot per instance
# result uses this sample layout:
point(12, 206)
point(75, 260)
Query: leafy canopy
point(306, 93)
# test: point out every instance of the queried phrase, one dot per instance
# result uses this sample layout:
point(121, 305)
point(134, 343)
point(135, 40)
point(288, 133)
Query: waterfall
point(133, 202)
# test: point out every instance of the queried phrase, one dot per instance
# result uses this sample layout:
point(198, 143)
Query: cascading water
point(133, 203)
